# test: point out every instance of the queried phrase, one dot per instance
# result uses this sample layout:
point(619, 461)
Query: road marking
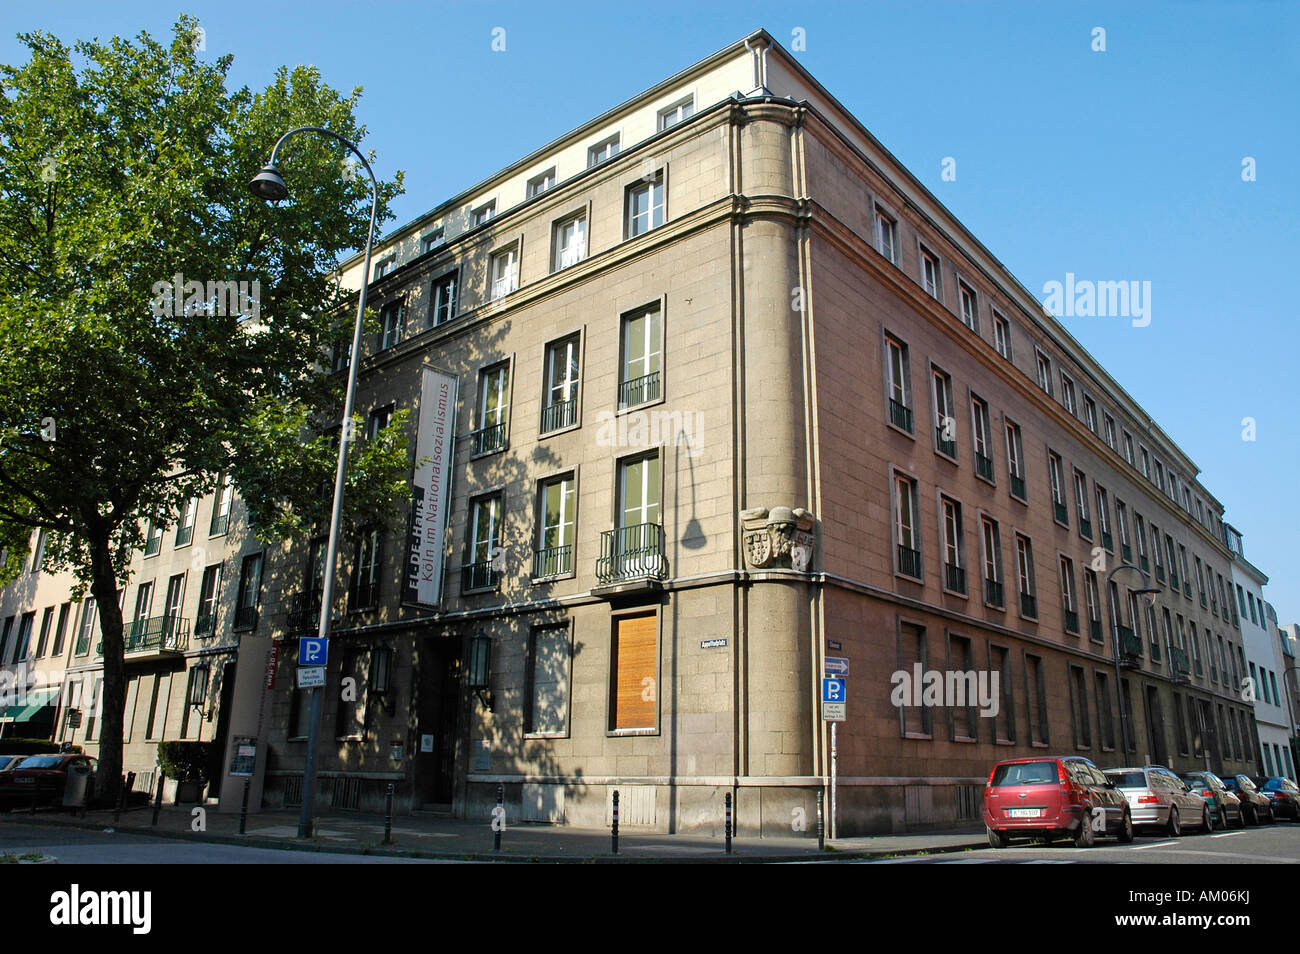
point(1159, 844)
point(1228, 834)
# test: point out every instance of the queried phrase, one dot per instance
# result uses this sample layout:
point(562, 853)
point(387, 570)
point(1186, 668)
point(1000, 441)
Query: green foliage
point(185, 761)
point(27, 746)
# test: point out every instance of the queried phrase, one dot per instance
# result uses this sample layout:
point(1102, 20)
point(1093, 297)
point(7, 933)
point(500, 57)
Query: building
point(733, 393)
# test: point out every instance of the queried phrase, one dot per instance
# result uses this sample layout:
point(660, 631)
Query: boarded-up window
point(548, 677)
point(634, 672)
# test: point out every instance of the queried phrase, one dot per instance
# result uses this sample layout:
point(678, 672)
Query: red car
point(41, 776)
point(1054, 797)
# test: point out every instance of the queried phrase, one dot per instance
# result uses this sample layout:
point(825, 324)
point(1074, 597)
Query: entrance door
point(223, 729)
point(439, 703)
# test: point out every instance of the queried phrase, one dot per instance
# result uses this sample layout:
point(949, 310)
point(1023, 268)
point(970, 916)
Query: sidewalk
point(441, 837)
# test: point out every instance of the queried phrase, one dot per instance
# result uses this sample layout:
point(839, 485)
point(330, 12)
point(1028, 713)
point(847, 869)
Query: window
point(991, 544)
point(1057, 480)
point(1200, 511)
point(1067, 393)
point(431, 241)
point(196, 696)
point(1004, 723)
point(493, 409)
point(605, 149)
point(1104, 714)
point(678, 111)
point(1103, 518)
point(23, 645)
point(560, 402)
point(1128, 447)
point(143, 601)
point(570, 241)
point(1069, 602)
point(340, 355)
point(899, 380)
point(907, 536)
point(1025, 576)
point(61, 629)
point(1044, 364)
point(945, 424)
point(350, 717)
point(970, 316)
point(981, 437)
point(185, 530)
point(645, 205)
point(1081, 504)
point(38, 552)
point(634, 672)
point(1109, 427)
point(1160, 476)
point(481, 571)
point(156, 726)
point(638, 491)
point(1141, 531)
point(1015, 462)
point(503, 272)
point(931, 280)
point(1002, 335)
point(443, 299)
point(390, 324)
point(550, 657)
point(1079, 708)
point(4, 639)
point(205, 623)
point(541, 182)
point(915, 719)
point(384, 267)
point(174, 598)
point(965, 719)
point(1090, 413)
point(1156, 554)
point(1200, 582)
point(483, 214)
point(1038, 731)
point(557, 511)
point(1092, 603)
point(250, 592)
point(952, 546)
point(153, 539)
point(365, 579)
point(886, 236)
point(43, 642)
point(221, 507)
point(1121, 525)
point(1182, 561)
point(640, 378)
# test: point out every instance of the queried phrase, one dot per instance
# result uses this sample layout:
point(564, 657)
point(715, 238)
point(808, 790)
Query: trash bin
point(81, 781)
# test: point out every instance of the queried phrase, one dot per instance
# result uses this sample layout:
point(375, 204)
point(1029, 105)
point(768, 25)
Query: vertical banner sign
point(431, 489)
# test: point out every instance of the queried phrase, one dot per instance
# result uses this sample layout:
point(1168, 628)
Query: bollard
point(157, 802)
point(388, 815)
point(614, 830)
point(498, 814)
point(727, 800)
point(243, 808)
point(121, 797)
point(821, 826)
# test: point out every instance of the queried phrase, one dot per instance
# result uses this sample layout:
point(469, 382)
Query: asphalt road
point(1275, 844)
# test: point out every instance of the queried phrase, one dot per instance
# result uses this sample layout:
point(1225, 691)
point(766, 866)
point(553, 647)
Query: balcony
point(479, 577)
point(909, 561)
point(1085, 527)
point(633, 554)
point(156, 637)
point(1094, 629)
point(1061, 512)
point(1130, 648)
point(1179, 665)
point(993, 594)
point(245, 617)
point(640, 390)
point(303, 618)
point(559, 415)
point(488, 440)
point(1071, 621)
point(1107, 541)
point(205, 625)
point(954, 577)
point(945, 447)
point(553, 561)
point(1018, 486)
point(984, 466)
point(1028, 605)
point(900, 415)
point(365, 594)
point(504, 285)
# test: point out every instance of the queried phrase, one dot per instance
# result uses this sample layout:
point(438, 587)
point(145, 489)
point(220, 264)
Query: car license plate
point(24, 781)
point(1024, 812)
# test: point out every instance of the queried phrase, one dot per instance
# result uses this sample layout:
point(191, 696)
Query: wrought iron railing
point(954, 578)
point(205, 624)
point(1179, 664)
point(946, 447)
point(909, 561)
point(631, 553)
point(245, 617)
point(489, 439)
point(304, 613)
point(1094, 629)
point(553, 561)
point(1130, 647)
point(993, 594)
point(639, 390)
point(1028, 605)
point(900, 415)
point(1061, 512)
point(984, 466)
point(1085, 527)
point(479, 576)
point(156, 634)
point(1018, 486)
point(559, 415)
point(1071, 621)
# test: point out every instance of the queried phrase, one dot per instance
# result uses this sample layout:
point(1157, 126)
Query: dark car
point(1255, 805)
point(42, 778)
point(1284, 795)
point(1049, 798)
point(1225, 805)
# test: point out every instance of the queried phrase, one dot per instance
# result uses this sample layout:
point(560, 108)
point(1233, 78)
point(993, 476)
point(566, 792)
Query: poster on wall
point(431, 489)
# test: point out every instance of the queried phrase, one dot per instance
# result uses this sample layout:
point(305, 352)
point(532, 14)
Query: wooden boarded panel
point(636, 692)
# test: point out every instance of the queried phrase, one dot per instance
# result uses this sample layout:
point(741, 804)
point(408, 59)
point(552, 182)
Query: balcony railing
point(1130, 647)
point(954, 578)
point(479, 576)
point(1160, 573)
point(946, 447)
point(1173, 578)
point(365, 594)
point(559, 415)
point(1155, 650)
point(1144, 563)
point(1071, 621)
point(1178, 663)
point(184, 535)
point(304, 613)
point(993, 594)
point(553, 561)
point(640, 390)
point(1028, 605)
point(909, 561)
point(573, 253)
point(1204, 604)
point(489, 439)
point(1187, 588)
point(156, 634)
point(1094, 629)
point(1196, 667)
point(984, 466)
point(1126, 553)
point(1061, 512)
point(1018, 486)
point(1085, 527)
point(1107, 541)
point(504, 285)
point(900, 415)
point(245, 617)
point(205, 625)
point(631, 553)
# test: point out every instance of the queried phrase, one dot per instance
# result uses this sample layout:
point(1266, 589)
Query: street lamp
point(269, 185)
point(1150, 592)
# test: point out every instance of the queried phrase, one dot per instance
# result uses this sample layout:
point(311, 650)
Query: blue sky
point(1123, 164)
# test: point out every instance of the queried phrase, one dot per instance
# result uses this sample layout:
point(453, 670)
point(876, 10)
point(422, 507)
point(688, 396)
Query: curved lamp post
point(1150, 592)
point(269, 185)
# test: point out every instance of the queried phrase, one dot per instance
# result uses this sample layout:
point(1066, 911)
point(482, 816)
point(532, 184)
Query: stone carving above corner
point(780, 537)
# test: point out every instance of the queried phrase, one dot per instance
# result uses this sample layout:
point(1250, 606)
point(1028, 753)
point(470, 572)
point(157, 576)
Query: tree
point(123, 172)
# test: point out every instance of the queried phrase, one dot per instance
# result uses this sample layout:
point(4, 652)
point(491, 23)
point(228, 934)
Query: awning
point(27, 711)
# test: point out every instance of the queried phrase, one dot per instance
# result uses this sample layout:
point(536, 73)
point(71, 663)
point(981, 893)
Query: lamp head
point(268, 185)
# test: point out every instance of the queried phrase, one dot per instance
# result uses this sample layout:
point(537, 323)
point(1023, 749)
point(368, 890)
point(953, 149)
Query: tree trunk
point(112, 700)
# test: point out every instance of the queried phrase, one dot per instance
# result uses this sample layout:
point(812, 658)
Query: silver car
point(1159, 798)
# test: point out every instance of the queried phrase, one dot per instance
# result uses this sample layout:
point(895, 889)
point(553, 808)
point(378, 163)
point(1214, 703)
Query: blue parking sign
point(834, 690)
point(313, 651)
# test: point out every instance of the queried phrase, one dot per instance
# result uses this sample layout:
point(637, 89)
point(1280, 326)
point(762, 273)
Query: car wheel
point(1126, 829)
point(1173, 828)
point(1252, 818)
point(1207, 820)
point(1241, 817)
point(997, 839)
point(1085, 837)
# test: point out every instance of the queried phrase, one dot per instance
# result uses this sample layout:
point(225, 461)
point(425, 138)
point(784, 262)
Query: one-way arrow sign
point(836, 666)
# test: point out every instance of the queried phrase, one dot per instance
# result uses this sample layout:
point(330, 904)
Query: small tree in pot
point(187, 763)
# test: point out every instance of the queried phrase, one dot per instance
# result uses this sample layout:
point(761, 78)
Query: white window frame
point(653, 189)
point(675, 113)
point(931, 273)
point(503, 272)
point(566, 255)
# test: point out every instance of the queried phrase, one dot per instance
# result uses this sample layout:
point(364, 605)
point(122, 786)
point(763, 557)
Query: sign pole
point(834, 758)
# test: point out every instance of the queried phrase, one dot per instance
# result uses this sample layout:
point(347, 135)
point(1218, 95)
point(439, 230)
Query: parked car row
point(40, 777)
point(1068, 796)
